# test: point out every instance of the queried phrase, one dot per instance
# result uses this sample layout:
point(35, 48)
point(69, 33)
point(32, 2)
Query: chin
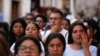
point(27, 55)
point(78, 42)
point(55, 54)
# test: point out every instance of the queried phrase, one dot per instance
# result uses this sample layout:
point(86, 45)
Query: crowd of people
point(38, 35)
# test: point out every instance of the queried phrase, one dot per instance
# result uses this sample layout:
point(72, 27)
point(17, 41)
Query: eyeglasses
point(31, 48)
point(54, 18)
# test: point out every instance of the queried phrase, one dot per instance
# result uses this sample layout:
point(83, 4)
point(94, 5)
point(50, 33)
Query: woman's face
point(77, 32)
point(32, 30)
point(65, 25)
point(40, 22)
point(29, 19)
point(18, 29)
point(28, 48)
point(55, 47)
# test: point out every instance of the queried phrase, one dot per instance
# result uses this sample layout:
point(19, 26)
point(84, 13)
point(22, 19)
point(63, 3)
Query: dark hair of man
point(58, 11)
point(29, 14)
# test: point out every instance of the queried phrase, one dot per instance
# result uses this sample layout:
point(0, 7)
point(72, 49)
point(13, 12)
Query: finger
point(90, 41)
point(84, 38)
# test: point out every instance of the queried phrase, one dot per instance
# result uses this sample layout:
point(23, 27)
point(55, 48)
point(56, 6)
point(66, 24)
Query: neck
point(76, 46)
point(37, 37)
point(17, 37)
point(56, 29)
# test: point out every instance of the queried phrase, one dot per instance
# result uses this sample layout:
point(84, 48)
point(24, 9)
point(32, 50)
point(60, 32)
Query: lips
point(27, 55)
point(30, 34)
point(18, 33)
point(78, 37)
point(54, 54)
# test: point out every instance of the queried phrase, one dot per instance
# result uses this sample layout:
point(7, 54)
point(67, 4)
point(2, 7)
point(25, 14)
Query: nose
point(27, 50)
point(55, 48)
point(30, 30)
point(18, 28)
point(78, 33)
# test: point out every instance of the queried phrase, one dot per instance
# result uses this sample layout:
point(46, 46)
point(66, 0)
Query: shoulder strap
point(44, 32)
point(66, 34)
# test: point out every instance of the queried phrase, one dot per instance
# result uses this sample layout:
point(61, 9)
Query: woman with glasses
point(27, 46)
point(32, 29)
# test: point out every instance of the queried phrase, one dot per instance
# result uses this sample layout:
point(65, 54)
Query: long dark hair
point(4, 45)
point(93, 25)
point(11, 33)
point(70, 39)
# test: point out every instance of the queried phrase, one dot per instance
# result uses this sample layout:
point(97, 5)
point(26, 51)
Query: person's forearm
point(87, 52)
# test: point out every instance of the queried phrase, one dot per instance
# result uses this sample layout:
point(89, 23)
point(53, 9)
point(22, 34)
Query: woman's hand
point(85, 41)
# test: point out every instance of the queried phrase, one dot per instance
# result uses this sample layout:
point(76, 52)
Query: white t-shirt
point(70, 52)
point(45, 34)
point(12, 48)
